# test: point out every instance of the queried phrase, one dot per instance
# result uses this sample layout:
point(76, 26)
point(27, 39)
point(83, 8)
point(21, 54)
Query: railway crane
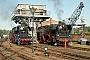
point(76, 14)
point(74, 17)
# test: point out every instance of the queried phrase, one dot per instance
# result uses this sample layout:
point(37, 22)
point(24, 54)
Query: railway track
point(84, 49)
point(40, 52)
point(54, 54)
point(61, 54)
point(9, 54)
point(23, 53)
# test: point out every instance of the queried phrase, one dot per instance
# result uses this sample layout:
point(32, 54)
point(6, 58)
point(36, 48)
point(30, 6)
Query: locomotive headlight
point(28, 35)
point(69, 35)
point(57, 35)
point(21, 28)
point(63, 25)
point(60, 27)
point(18, 35)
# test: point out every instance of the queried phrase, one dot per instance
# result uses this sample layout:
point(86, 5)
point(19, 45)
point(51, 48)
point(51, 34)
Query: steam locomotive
point(54, 34)
point(21, 32)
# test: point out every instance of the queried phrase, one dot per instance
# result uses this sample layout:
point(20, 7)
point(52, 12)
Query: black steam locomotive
point(54, 34)
point(20, 32)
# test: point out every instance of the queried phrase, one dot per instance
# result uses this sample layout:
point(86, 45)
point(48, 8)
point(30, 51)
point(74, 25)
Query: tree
point(4, 32)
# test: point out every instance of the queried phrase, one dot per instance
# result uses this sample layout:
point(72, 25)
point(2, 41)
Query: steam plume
point(57, 7)
point(6, 9)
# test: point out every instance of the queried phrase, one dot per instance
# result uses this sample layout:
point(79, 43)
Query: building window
point(41, 13)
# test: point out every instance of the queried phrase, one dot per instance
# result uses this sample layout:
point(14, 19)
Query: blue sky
point(68, 6)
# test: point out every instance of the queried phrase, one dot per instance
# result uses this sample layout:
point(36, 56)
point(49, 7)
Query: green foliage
point(4, 32)
point(87, 29)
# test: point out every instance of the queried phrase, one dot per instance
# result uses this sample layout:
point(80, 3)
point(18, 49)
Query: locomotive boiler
point(21, 32)
point(54, 34)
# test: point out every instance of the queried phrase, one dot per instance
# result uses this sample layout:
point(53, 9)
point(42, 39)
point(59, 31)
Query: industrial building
point(29, 13)
point(51, 21)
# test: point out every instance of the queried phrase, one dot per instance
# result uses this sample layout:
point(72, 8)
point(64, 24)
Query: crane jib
point(75, 16)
